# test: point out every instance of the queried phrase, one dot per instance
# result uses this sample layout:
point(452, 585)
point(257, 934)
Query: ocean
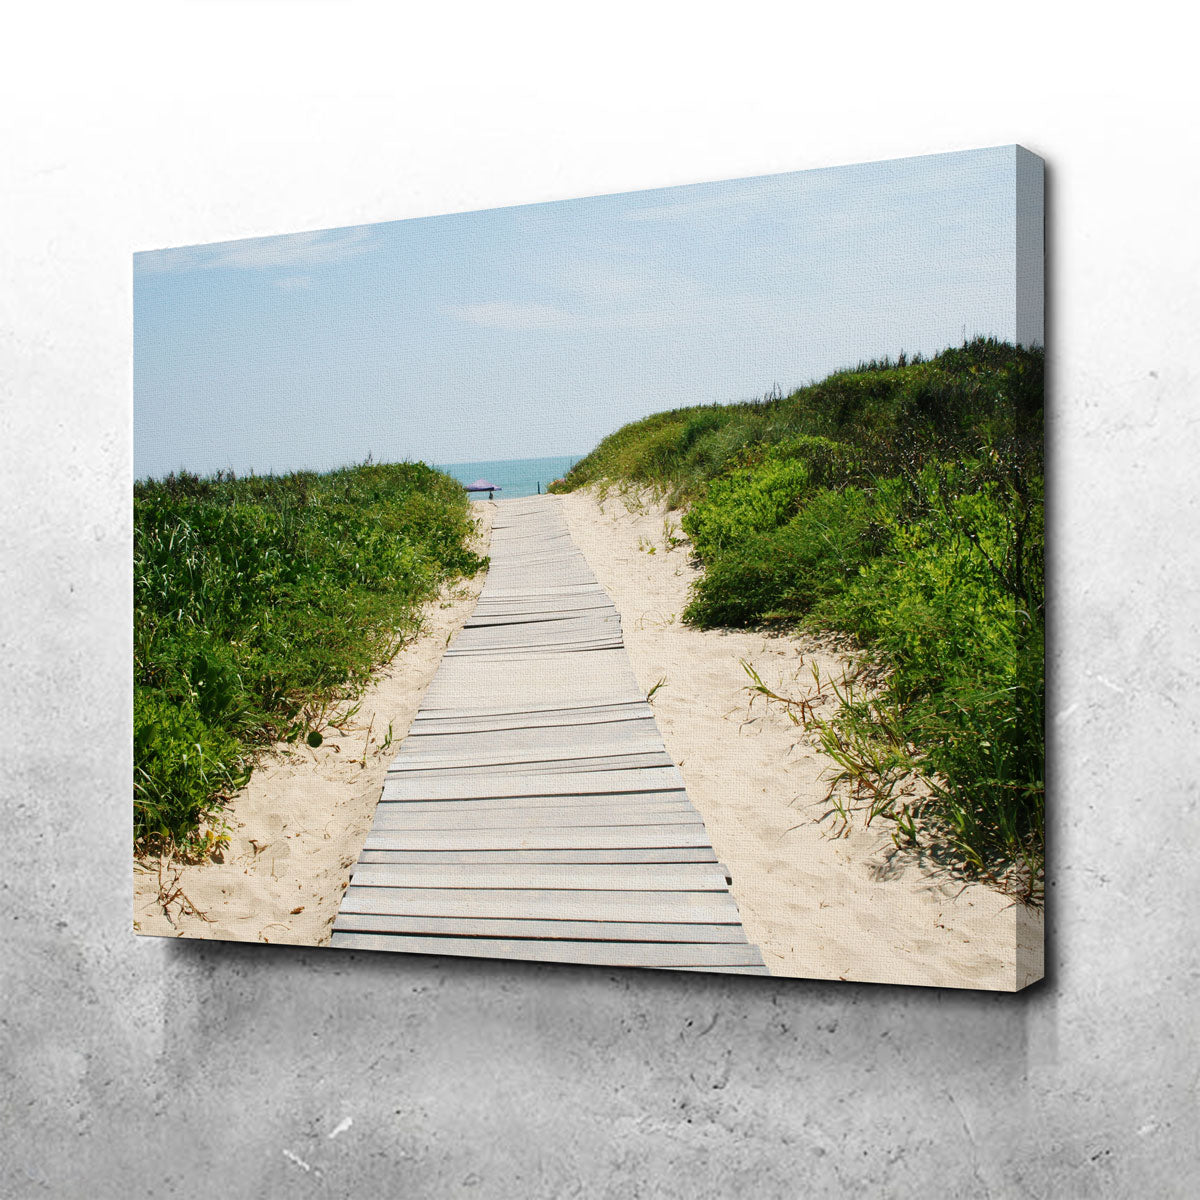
point(514, 477)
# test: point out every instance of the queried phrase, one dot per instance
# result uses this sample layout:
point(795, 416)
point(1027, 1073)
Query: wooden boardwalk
point(533, 811)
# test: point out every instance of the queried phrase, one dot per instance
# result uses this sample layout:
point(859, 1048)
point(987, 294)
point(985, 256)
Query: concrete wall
point(137, 1068)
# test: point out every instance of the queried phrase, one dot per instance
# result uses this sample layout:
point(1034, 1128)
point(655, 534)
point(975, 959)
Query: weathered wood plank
point(407, 816)
point(510, 696)
point(522, 641)
point(402, 785)
point(634, 730)
point(532, 607)
point(490, 615)
point(434, 718)
point(623, 954)
point(554, 679)
point(533, 811)
point(703, 908)
point(452, 700)
point(669, 801)
point(492, 927)
point(529, 651)
point(550, 625)
point(644, 837)
point(536, 747)
point(520, 766)
point(515, 597)
point(643, 802)
point(649, 877)
point(616, 721)
point(428, 723)
point(615, 854)
point(541, 635)
point(630, 737)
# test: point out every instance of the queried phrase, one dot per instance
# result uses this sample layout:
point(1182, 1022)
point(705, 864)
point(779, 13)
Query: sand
point(820, 901)
point(298, 826)
point(819, 905)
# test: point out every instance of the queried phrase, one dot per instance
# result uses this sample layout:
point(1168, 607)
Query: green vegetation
point(261, 605)
point(899, 504)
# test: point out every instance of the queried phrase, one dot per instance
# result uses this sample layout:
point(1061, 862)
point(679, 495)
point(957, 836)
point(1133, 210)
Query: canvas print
point(645, 580)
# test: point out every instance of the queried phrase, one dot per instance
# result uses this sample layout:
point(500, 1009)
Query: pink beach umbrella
point(482, 485)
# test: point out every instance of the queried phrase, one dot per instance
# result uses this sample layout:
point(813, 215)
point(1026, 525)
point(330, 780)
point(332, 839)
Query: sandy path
point(299, 824)
point(818, 906)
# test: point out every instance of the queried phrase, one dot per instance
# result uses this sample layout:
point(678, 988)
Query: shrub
point(261, 603)
point(782, 573)
point(899, 503)
point(959, 621)
point(182, 767)
point(744, 503)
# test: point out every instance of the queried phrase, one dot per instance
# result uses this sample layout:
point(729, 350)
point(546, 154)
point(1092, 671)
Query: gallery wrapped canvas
point(646, 580)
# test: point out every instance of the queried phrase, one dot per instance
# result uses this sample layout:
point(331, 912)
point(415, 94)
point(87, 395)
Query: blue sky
point(536, 330)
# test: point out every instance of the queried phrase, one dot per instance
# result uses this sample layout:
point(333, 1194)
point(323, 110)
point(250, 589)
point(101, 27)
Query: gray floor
point(533, 811)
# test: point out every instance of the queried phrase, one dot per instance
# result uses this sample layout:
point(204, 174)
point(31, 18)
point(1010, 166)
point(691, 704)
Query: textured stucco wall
point(151, 1068)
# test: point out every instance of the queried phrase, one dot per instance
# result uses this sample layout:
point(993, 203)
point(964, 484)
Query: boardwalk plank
point(433, 724)
point(666, 801)
point(520, 766)
point(491, 927)
point(644, 803)
point(615, 854)
point(620, 877)
point(545, 742)
point(595, 783)
point(609, 954)
point(645, 837)
point(533, 810)
point(702, 908)
point(411, 816)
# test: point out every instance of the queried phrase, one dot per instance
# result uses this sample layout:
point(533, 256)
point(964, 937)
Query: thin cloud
point(691, 312)
point(504, 315)
point(594, 294)
point(601, 281)
point(528, 317)
point(255, 254)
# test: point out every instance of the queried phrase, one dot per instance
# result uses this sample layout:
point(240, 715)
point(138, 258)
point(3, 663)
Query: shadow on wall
point(1055, 685)
point(457, 1054)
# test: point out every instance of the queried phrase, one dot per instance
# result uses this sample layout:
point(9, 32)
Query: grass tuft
point(899, 504)
point(261, 607)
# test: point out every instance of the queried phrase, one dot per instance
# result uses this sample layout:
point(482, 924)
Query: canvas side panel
point(1031, 248)
point(1030, 331)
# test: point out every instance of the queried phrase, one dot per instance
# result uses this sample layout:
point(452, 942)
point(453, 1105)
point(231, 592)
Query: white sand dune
point(818, 906)
point(299, 824)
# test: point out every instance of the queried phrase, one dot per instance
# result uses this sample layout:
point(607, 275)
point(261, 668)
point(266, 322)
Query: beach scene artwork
point(649, 580)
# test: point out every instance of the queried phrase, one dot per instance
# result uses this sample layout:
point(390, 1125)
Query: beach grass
point(262, 605)
point(898, 505)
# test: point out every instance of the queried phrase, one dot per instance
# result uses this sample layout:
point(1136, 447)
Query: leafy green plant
point(898, 504)
point(880, 417)
point(780, 574)
point(261, 607)
point(180, 764)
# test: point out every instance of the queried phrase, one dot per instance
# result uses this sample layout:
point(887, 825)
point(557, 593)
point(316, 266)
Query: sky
point(536, 330)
